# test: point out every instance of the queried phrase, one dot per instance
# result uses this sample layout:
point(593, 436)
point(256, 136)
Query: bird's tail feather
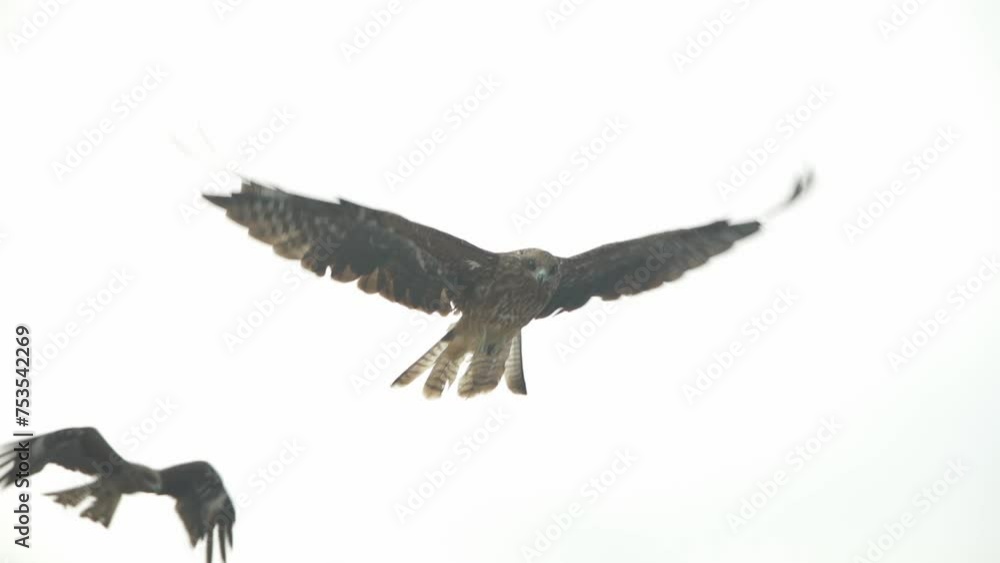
point(103, 509)
point(421, 365)
point(486, 369)
point(491, 361)
point(443, 369)
point(74, 496)
point(514, 370)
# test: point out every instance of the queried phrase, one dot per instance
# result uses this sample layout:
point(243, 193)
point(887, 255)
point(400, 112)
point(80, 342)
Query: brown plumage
point(497, 294)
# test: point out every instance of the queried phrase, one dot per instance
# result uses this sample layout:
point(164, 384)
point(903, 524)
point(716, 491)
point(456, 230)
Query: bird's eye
point(530, 264)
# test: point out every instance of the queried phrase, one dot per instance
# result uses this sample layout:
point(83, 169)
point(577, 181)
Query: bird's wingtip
point(220, 200)
point(802, 186)
point(248, 187)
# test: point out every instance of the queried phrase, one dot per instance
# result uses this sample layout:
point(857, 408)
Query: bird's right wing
point(202, 503)
point(634, 266)
point(405, 262)
point(76, 449)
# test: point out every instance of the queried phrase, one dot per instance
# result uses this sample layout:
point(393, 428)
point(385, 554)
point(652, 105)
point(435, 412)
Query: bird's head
point(538, 264)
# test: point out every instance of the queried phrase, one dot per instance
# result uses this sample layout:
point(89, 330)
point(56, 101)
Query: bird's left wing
point(406, 262)
point(202, 503)
point(634, 266)
point(76, 449)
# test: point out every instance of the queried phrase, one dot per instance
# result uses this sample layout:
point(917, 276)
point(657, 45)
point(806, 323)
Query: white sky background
point(193, 278)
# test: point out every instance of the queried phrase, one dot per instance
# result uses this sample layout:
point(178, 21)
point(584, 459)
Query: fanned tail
point(103, 507)
point(493, 358)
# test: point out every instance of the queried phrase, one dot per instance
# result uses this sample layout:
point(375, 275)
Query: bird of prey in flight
point(497, 294)
point(202, 502)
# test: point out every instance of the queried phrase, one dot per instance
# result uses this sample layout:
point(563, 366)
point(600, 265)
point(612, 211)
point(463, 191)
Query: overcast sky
point(826, 387)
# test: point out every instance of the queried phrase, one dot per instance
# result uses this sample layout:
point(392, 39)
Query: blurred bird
point(202, 502)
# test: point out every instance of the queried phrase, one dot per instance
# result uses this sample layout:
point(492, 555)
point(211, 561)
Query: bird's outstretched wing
point(202, 503)
point(405, 262)
point(77, 449)
point(634, 266)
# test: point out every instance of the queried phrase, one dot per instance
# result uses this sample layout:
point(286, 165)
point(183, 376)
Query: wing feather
point(77, 449)
point(403, 261)
point(638, 265)
point(202, 503)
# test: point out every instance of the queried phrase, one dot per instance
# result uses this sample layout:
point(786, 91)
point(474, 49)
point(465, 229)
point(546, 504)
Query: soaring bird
point(202, 502)
point(497, 294)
